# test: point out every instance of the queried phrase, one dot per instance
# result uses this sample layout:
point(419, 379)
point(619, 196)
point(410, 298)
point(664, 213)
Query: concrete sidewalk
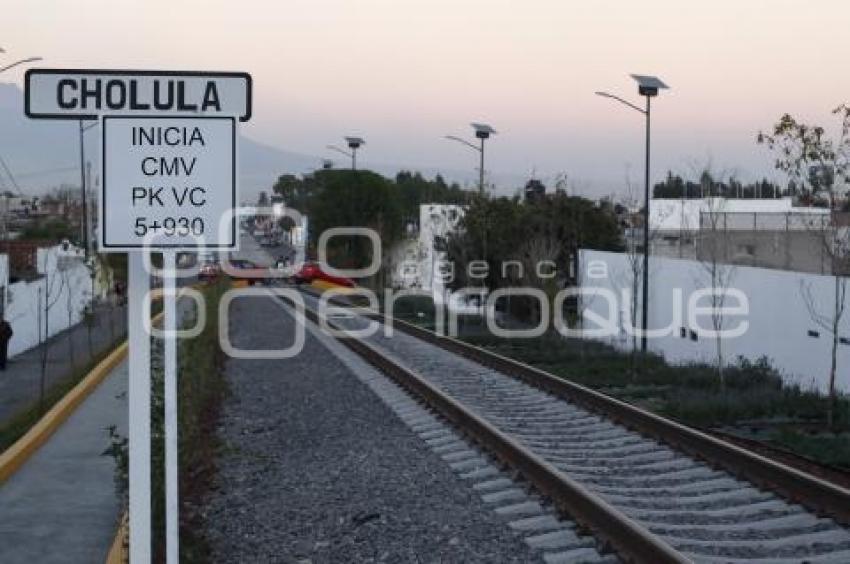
point(19, 383)
point(61, 505)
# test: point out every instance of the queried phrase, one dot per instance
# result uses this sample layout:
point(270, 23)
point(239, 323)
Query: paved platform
point(61, 506)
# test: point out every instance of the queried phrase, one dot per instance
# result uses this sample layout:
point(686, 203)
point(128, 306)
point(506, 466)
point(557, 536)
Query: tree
point(634, 258)
point(49, 230)
point(712, 241)
point(504, 230)
point(676, 187)
point(531, 253)
point(814, 161)
point(71, 308)
point(409, 191)
point(810, 158)
point(94, 266)
point(355, 198)
point(113, 269)
point(415, 190)
point(297, 193)
point(49, 295)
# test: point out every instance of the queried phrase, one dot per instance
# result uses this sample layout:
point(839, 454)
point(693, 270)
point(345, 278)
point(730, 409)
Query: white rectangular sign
point(168, 183)
point(87, 94)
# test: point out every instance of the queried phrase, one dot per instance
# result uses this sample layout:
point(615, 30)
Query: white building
point(674, 215)
point(421, 261)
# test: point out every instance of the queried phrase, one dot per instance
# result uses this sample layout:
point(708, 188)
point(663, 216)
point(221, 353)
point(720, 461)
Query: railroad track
point(648, 488)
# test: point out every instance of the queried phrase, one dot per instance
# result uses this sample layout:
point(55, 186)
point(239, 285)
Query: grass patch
point(826, 448)
point(201, 391)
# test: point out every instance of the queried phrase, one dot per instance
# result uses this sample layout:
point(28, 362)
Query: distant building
point(419, 260)
point(534, 190)
point(768, 233)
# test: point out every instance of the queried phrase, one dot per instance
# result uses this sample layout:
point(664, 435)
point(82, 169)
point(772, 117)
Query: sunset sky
point(404, 73)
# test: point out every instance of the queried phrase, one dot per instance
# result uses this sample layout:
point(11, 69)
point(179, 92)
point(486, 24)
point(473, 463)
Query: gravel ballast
point(315, 467)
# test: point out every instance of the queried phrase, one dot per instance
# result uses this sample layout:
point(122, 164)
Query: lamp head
point(354, 142)
point(648, 85)
point(482, 130)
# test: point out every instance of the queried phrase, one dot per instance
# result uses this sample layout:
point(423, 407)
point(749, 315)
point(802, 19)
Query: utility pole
point(84, 215)
point(85, 219)
point(90, 205)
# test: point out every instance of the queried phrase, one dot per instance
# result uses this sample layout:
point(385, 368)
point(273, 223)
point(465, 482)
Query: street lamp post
point(21, 62)
point(482, 132)
point(648, 86)
point(353, 143)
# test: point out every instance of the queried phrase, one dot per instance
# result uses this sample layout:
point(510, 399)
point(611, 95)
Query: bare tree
point(717, 271)
point(634, 259)
point(815, 161)
point(829, 322)
point(49, 295)
point(88, 307)
point(71, 308)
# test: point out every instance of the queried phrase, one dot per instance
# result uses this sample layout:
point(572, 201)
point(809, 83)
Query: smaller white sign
point(168, 183)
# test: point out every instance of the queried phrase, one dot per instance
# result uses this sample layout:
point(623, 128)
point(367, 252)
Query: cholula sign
point(169, 161)
point(169, 183)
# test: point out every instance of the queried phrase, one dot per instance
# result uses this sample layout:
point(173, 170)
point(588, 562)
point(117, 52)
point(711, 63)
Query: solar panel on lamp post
point(648, 86)
point(354, 143)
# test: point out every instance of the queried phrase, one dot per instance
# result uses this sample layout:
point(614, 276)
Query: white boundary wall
point(22, 300)
point(778, 319)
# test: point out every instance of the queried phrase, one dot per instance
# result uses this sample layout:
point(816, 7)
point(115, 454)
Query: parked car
point(248, 271)
point(209, 272)
point(311, 271)
point(270, 241)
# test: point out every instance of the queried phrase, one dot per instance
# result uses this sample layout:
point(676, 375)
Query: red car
point(208, 272)
point(310, 271)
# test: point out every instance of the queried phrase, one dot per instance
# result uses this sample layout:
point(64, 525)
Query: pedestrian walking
point(119, 292)
point(5, 336)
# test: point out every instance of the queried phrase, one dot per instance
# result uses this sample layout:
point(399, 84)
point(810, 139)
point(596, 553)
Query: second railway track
point(649, 501)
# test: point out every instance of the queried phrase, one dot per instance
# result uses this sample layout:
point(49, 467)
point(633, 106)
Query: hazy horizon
point(404, 74)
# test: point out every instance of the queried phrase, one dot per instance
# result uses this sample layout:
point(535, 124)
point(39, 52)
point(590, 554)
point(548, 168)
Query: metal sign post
point(169, 183)
point(172, 505)
point(139, 394)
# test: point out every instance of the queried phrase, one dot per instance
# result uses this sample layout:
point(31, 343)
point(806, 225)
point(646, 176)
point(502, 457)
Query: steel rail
point(820, 496)
point(630, 540)
point(816, 494)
